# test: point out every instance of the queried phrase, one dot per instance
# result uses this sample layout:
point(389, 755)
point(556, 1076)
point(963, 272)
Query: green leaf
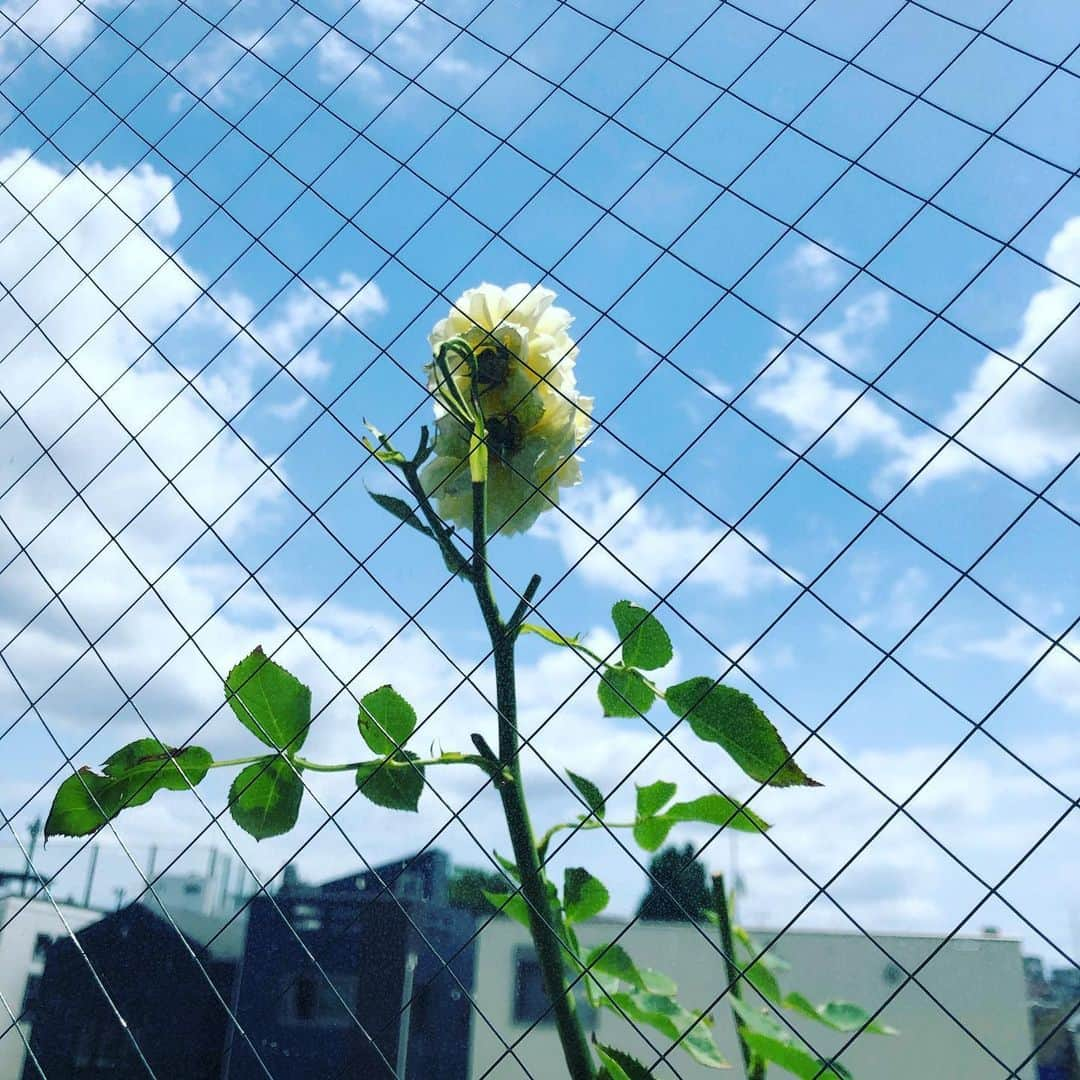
point(796, 1060)
point(645, 643)
point(839, 1015)
point(652, 797)
point(130, 777)
point(272, 704)
point(656, 982)
point(589, 792)
point(618, 1065)
point(764, 981)
point(724, 715)
point(399, 507)
point(651, 832)
point(679, 1024)
point(264, 799)
point(624, 692)
point(393, 782)
point(512, 904)
point(717, 810)
point(613, 962)
point(583, 895)
point(509, 866)
point(386, 720)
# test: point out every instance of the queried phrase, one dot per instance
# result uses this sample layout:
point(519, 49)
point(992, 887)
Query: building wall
point(381, 955)
point(171, 1003)
point(980, 980)
point(23, 922)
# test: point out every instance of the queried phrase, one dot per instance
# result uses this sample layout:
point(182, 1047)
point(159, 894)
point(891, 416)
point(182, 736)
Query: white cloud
point(814, 265)
point(646, 545)
point(1057, 677)
point(61, 26)
point(1027, 429)
point(216, 481)
point(306, 311)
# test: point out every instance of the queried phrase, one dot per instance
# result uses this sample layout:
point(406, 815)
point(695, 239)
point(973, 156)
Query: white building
point(27, 929)
point(978, 979)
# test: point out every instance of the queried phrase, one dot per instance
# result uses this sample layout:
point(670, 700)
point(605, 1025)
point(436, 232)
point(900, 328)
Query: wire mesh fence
point(823, 263)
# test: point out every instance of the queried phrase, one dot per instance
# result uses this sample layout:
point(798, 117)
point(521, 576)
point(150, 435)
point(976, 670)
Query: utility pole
point(34, 828)
point(90, 875)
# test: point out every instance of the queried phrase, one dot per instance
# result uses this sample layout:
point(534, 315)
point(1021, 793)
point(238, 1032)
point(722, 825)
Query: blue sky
point(746, 245)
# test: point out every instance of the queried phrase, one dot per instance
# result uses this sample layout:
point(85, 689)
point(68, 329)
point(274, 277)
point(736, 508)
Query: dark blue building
point(366, 976)
point(171, 988)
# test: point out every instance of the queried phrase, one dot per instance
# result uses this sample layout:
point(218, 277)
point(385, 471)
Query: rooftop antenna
point(33, 829)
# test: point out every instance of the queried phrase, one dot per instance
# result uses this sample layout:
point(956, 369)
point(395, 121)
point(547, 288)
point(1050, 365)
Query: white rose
point(534, 416)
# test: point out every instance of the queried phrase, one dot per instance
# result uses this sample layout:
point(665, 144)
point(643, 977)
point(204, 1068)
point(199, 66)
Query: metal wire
point(397, 257)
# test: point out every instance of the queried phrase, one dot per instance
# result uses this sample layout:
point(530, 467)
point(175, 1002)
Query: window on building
point(30, 998)
point(531, 1002)
point(100, 1045)
point(319, 1000)
point(41, 946)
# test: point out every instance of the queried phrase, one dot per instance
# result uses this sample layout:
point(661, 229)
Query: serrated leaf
point(717, 810)
point(399, 507)
point(264, 799)
point(651, 832)
point(511, 904)
point(612, 964)
point(386, 720)
point(619, 1065)
point(623, 692)
point(614, 961)
point(653, 797)
point(679, 1024)
point(130, 777)
point(392, 782)
point(843, 1016)
point(271, 703)
point(724, 715)
point(645, 643)
point(796, 1060)
point(583, 895)
point(589, 792)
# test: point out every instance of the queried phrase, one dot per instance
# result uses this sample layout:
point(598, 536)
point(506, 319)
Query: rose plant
point(509, 421)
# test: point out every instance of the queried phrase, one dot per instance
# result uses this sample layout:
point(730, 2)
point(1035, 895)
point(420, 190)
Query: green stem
point(453, 558)
point(544, 920)
point(755, 1069)
point(572, 643)
point(348, 766)
point(582, 826)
